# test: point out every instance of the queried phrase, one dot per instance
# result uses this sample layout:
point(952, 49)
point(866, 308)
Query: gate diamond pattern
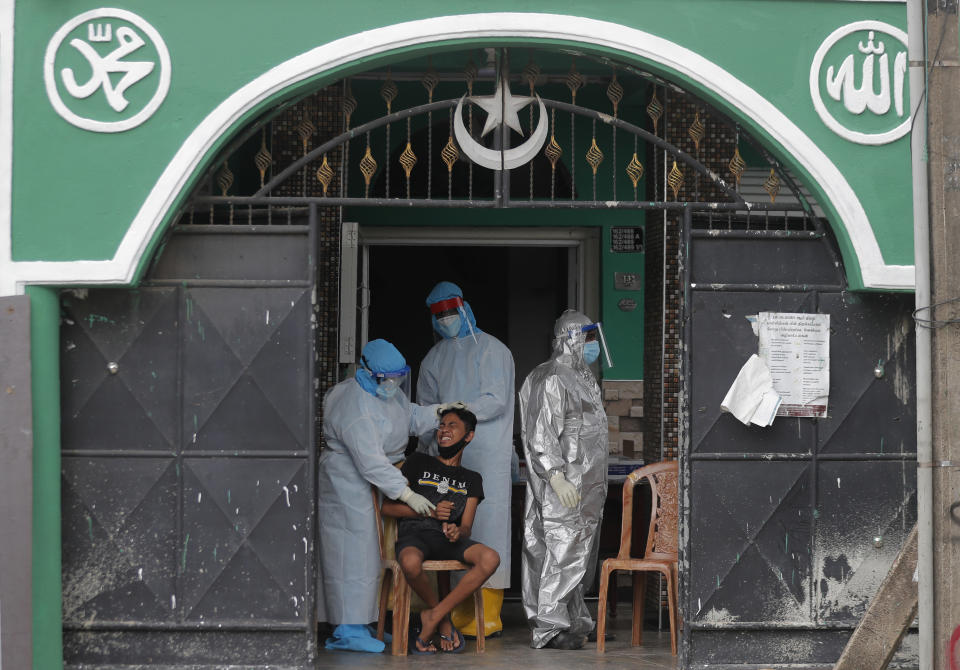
point(782, 520)
point(188, 466)
point(121, 538)
point(234, 396)
point(258, 514)
point(137, 332)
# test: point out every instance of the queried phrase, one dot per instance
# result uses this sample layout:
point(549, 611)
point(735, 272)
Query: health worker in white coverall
point(473, 366)
point(367, 421)
point(564, 431)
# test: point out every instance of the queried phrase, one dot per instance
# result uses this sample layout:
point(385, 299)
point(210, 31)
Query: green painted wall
point(45, 372)
point(75, 192)
point(623, 309)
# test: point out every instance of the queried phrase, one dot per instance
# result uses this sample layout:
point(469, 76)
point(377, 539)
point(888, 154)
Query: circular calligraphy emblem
point(106, 70)
point(858, 82)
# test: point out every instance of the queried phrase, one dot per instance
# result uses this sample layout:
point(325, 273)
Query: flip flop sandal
point(416, 643)
point(456, 636)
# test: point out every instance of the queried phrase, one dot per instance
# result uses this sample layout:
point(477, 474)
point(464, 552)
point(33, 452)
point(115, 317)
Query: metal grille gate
point(204, 376)
point(188, 458)
point(790, 529)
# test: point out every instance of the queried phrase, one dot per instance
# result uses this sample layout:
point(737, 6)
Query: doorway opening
point(517, 283)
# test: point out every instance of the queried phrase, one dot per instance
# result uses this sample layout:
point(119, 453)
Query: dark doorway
point(516, 293)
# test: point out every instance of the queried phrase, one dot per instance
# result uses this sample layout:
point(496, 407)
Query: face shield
point(450, 316)
point(393, 384)
point(593, 332)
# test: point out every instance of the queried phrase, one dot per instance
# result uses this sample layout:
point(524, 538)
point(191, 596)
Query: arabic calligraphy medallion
point(106, 70)
point(858, 82)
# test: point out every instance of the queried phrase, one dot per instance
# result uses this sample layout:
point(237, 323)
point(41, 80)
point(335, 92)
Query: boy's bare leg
point(411, 562)
point(484, 561)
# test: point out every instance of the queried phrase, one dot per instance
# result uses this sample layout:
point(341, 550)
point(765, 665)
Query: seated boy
point(445, 534)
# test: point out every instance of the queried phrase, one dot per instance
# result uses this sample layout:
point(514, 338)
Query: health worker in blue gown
point(367, 421)
point(472, 366)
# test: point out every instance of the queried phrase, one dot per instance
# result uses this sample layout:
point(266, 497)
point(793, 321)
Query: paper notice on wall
point(796, 349)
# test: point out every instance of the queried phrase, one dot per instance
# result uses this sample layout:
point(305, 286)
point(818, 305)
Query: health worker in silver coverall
point(367, 421)
point(564, 430)
point(470, 365)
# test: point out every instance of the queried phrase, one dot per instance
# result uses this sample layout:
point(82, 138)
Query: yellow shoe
point(463, 615)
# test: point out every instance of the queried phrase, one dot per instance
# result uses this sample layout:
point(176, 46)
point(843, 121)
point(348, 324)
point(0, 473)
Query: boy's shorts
point(435, 545)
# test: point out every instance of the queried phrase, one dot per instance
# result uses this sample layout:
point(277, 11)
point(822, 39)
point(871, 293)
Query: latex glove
point(417, 502)
point(566, 491)
point(447, 406)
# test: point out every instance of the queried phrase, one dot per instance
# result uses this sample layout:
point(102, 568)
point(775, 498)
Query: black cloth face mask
point(452, 450)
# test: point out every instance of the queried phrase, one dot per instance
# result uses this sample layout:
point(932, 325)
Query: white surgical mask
point(387, 388)
point(449, 325)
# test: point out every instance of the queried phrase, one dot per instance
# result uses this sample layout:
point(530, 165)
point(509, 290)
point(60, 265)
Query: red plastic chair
point(660, 554)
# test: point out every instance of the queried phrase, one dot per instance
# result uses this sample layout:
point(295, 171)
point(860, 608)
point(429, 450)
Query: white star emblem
point(501, 108)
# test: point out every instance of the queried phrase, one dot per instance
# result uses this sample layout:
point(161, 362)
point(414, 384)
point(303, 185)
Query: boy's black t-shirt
point(435, 482)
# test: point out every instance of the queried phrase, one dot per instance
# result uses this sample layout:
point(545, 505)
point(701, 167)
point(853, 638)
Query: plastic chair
point(394, 580)
point(660, 554)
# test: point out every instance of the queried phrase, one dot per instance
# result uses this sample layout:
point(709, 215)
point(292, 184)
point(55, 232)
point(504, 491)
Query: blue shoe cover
point(387, 637)
point(354, 637)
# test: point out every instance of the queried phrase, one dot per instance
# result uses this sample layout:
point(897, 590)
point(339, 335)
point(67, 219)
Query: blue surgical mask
point(387, 388)
point(591, 351)
point(449, 325)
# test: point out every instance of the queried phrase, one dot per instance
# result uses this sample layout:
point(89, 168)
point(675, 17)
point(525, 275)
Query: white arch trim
point(122, 267)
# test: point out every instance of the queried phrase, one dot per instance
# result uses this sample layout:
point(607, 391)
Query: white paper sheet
point(752, 398)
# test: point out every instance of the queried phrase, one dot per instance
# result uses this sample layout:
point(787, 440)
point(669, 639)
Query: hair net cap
point(382, 356)
point(444, 291)
point(571, 319)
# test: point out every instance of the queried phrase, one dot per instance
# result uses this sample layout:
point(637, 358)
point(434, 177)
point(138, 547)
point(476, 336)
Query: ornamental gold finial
point(772, 185)
point(531, 73)
point(615, 93)
point(470, 74)
point(736, 166)
point(305, 129)
point(635, 170)
point(368, 166)
point(574, 81)
point(696, 132)
point(675, 180)
point(389, 91)
point(553, 152)
point(430, 79)
point(594, 156)
point(325, 174)
point(408, 160)
point(349, 104)
point(225, 178)
point(263, 159)
point(450, 154)
point(654, 110)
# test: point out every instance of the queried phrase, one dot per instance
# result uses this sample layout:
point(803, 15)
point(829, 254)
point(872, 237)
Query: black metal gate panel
point(790, 529)
point(188, 504)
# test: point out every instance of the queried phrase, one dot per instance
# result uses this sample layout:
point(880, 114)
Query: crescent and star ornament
point(501, 109)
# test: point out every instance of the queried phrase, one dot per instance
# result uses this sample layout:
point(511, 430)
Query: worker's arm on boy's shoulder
point(456, 532)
